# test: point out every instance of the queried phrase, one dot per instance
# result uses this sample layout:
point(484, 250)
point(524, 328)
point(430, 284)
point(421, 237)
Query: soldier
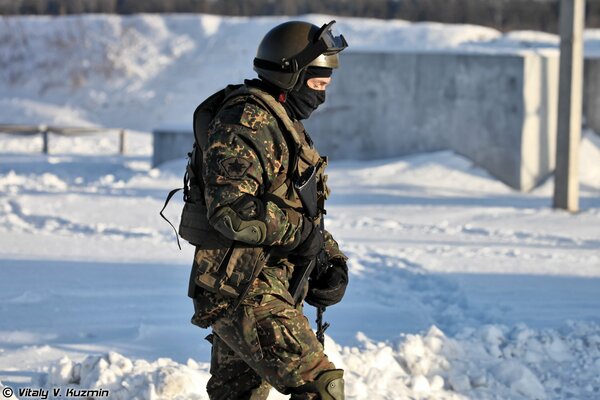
point(254, 208)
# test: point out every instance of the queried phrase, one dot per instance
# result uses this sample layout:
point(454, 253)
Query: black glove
point(328, 288)
point(311, 240)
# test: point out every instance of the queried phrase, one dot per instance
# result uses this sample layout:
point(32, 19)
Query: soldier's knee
point(329, 385)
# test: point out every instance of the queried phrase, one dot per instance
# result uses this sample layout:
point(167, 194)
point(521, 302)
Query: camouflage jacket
point(246, 152)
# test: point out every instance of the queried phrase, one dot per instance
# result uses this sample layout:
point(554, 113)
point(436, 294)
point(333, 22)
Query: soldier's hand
point(329, 288)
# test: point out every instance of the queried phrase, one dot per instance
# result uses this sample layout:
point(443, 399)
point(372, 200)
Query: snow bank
point(490, 362)
point(111, 70)
point(126, 379)
point(141, 71)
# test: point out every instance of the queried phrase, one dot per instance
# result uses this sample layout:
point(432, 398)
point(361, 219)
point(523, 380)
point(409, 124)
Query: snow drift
point(491, 362)
point(141, 71)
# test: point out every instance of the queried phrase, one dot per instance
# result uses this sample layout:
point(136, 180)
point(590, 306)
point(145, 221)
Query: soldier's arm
point(238, 159)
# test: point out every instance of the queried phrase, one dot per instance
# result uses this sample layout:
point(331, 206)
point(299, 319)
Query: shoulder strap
point(282, 183)
point(279, 111)
point(271, 104)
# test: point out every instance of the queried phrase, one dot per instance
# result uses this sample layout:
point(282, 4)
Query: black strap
point(169, 196)
point(310, 54)
point(273, 66)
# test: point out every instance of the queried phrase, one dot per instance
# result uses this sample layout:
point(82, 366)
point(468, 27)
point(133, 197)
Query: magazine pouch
point(225, 267)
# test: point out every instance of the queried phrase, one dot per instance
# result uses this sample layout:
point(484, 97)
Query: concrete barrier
point(591, 93)
point(498, 110)
point(171, 142)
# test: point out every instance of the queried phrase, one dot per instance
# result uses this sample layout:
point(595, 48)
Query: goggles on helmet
point(324, 43)
point(334, 44)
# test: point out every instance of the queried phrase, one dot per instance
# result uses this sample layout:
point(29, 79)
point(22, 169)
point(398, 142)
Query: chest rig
point(222, 266)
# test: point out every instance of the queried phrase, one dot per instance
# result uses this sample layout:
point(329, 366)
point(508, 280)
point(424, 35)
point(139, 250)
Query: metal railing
point(70, 131)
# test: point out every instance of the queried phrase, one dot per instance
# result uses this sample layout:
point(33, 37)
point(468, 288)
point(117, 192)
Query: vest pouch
point(244, 264)
point(227, 267)
point(194, 226)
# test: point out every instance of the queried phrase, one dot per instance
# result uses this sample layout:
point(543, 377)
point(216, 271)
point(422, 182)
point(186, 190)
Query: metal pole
point(122, 144)
point(45, 139)
point(566, 184)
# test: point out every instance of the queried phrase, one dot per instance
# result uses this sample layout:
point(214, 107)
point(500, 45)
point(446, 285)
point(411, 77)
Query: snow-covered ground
point(461, 288)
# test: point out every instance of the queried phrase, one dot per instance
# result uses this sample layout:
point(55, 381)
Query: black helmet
point(291, 47)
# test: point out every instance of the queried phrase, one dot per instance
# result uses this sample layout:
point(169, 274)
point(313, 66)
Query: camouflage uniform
point(267, 340)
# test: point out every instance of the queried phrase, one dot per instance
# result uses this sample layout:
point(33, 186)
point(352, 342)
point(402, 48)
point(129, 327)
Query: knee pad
point(329, 385)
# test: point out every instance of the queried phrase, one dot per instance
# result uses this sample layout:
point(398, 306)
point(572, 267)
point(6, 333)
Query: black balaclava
point(301, 101)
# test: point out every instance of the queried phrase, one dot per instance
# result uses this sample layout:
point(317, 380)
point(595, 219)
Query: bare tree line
point(500, 14)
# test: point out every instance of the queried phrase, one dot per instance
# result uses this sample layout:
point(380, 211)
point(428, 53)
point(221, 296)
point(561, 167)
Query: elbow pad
point(242, 221)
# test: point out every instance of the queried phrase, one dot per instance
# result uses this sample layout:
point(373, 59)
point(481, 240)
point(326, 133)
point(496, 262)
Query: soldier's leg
point(276, 340)
point(231, 378)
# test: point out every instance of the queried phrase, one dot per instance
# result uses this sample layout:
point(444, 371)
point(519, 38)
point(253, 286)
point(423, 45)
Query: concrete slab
point(497, 110)
point(171, 143)
point(591, 93)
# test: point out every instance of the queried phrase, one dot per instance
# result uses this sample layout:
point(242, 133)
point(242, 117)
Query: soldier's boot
point(329, 385)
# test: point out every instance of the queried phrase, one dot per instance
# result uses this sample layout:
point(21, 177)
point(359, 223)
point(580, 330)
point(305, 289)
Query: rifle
point(306, 187)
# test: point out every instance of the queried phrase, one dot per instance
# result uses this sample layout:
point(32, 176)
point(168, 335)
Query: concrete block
point(171, 143)
point(591, 93)
point(497, 110)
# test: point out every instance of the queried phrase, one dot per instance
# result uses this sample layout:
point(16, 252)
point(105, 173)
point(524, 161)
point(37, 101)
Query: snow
point(143, 71)
point(489, 362)
point(461, 288)
point(492, 362)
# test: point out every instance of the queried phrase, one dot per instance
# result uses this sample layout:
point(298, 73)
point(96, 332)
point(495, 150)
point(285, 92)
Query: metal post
point(45, 139)
point(566, 184)
point(122, 142)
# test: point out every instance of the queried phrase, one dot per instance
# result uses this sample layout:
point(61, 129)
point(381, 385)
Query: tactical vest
point(221, 265)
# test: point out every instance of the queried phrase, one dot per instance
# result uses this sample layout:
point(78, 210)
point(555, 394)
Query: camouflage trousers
point(263, 344)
